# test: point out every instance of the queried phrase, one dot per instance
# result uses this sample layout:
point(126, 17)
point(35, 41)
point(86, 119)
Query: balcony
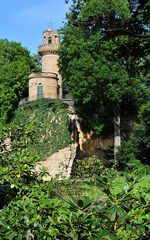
point(48, 49)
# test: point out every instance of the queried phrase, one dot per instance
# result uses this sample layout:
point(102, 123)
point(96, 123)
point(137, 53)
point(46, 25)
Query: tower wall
point(49, 83)
point(50, 63)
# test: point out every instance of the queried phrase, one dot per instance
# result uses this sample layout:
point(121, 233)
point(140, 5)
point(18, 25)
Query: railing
point(23, 101)
point(67, 97)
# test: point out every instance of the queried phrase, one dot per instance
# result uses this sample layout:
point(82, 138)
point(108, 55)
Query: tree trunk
point(117, 134)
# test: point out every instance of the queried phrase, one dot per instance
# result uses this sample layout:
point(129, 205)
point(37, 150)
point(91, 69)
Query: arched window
point(39, 90)
point(49, 40)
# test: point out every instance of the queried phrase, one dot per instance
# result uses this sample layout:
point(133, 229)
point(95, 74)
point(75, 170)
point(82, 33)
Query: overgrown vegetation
point(138, 144)
point(97, 203)
point(118, 210)
point(39, 126)
point(38, 129)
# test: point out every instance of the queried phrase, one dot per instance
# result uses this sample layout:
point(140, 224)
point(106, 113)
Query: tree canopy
point(15, 67)
point(104, 58)
point(103, 45)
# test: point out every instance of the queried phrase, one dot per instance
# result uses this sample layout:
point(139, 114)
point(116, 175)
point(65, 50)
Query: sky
point(24, 20)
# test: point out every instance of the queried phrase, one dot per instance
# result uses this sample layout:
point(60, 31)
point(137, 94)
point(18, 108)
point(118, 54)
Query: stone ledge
point(43, 75)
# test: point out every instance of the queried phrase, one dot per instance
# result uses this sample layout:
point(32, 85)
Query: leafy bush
point(40, 213)
point(88, 167)
point(138, 144)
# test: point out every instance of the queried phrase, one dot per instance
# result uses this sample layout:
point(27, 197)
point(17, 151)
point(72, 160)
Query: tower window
point(49, 40)
point(39, 90)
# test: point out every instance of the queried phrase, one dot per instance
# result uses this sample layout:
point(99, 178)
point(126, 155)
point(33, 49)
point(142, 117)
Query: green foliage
point(41, 213)
point(123, 206)
point(34, 217)
point(40, 127)
point(15, 66)
point(97, 59)
point(17, 176)
point(138, 144)
point(88, 167)
point(38, 62)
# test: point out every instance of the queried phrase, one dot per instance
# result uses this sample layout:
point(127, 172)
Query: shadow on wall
point(98, 146)
point(89, 144)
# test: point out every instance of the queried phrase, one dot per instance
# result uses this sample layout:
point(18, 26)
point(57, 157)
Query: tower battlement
point(50, 44)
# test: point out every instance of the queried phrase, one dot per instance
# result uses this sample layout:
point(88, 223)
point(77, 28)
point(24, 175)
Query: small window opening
point(49, 40)
point(39, 90)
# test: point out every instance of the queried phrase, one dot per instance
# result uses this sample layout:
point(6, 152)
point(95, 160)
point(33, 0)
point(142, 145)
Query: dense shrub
point(40, 213)
point(87, 167)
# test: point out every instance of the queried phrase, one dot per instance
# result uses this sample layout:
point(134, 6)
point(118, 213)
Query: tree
point(15, 67)
point(102, 46)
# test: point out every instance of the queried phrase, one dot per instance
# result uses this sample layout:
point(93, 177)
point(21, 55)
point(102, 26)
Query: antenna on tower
point(51, 22)
point(50, 26)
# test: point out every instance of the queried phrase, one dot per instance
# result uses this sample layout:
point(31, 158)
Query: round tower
point(49, 51)
point(47, 84)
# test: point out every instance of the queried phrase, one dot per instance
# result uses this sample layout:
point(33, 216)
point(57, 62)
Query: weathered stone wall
point(49, 53)
point(89, 144)
point(50, 64)
point(50, 78)
point(59, 164)
point(50, 33)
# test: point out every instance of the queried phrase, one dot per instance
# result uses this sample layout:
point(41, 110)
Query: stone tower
point(47, 84)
